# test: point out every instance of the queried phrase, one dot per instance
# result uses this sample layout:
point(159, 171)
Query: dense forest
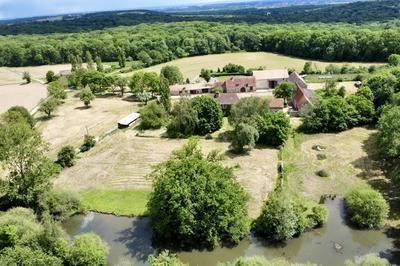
point(358, 12)
point(156, 43)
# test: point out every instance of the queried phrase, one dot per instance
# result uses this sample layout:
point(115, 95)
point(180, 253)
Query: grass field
point(123, 203)
point(123, 161)
point(72, 120)
point(191, 66)
point(349, 85)
point(27, 95)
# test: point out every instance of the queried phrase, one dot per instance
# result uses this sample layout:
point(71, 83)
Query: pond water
point(130, 241)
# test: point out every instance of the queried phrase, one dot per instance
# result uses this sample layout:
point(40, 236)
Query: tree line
point(369, 42)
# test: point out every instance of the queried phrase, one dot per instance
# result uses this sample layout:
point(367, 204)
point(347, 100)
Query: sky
point(29, 8)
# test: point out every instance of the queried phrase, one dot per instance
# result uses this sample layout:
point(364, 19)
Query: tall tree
point(165, 94)
point(172, 74)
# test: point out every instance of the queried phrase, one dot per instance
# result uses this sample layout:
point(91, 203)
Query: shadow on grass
point(83, 107)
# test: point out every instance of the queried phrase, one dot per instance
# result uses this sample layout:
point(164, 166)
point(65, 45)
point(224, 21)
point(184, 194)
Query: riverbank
point(129, 203)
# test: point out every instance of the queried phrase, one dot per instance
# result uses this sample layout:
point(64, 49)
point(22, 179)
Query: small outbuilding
point(277, 104)
point(226, 99)
point(127, 121)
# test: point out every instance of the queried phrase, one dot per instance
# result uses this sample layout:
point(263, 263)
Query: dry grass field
point(27, 95)
point(72, 120)
point(349, 85)
point(122, 161)
point(191, 66)
point(350, 160)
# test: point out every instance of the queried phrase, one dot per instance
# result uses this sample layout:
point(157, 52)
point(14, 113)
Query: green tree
point(285, 90)
point(89, 60)
point(388, 133)
point(152, 116)
point(394, 60)
point(121, 58)
point(122, 83)
point(205, 74)
point(209, 113)
point(66, 156)
point(364, 108)
point(368, 260)
point(382, 86)
point(145, 58)
point(184, 119)
point(86, 96)
point(165, 94)
point(196, 201)
point(17, 114)
point(365, 92)
point(247, 110)
point(50, 76)
point(234, 69)
point(366, 207)
point(173, 74)
point(274, 128)
point(99, 64)
point(88, 249)
point(56, 89)
point(244, 136)
point(145, 82)
point(278, 220)
point(27, 77)
point(27, 256)
point(49, 106)
point(307, 69)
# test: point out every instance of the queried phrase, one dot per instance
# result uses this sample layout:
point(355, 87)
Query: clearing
point(191, 66)
point(122, 161)
point(73, 120)
point(26, 95)
point(349, 85)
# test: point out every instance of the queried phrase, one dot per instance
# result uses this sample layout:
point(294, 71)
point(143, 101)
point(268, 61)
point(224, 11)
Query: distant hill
point(356, 12)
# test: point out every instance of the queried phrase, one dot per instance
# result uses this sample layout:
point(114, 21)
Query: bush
point(196, 201)
point(49, 106)
point(66, 156)
point(86, 96)
point(260, 261)
point(322, 173)
point(88, 249)
point(50, 76)
point(27, 77)
point(209, 114)
point(152, 116)
point(319, 215)
point(368, 260)
point(62, 204)
point(27, 256)
point(366, 207)
point(244, 136)
point(88, 143)
point(165, 259)
point(274, 128)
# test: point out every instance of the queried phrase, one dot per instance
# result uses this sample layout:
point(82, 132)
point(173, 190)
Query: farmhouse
point(239, 84)
point(270, 79)
point(303, 94)
point(192, 89)
point(226, 99)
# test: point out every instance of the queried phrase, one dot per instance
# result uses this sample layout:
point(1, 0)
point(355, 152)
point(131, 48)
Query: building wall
point(263, 84)
point(239, 89)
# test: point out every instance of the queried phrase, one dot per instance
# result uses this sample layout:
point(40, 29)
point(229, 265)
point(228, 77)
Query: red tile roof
point(277, 103)
point(240, 81)
point(227, 98)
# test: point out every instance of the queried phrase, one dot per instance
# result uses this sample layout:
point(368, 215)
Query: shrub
point(165, 259)
point(319, 215)
point(273, 128)
point(27, 77)
point(322, 173)
point(368, 260)
point(88, 249)
point(152, 116)
point(394, 60)
point(244, 136)
point(49, 106)
point(50, 76)
point(66, 156)
point(62, 204)
point(278, 220)
point(88, 143)
point(196, 201)
point(366, 207)
point(27, 256)
point(260, 261)
point(395, 175)
point(209, 114)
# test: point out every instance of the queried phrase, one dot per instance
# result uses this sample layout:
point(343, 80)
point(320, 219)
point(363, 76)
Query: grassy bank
point(122, 203)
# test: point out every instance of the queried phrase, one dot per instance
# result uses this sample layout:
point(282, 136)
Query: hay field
point(26, 95)
point(122, 161)
point(72, 120)
point(191, 66)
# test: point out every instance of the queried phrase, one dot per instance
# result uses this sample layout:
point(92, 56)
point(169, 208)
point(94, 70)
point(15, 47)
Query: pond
point(130, 241)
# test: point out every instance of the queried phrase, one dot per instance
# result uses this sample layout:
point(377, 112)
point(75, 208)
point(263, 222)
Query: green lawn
point(123, 203)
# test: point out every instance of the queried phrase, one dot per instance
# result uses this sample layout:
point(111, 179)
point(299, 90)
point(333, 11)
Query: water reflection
point(130, 241)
